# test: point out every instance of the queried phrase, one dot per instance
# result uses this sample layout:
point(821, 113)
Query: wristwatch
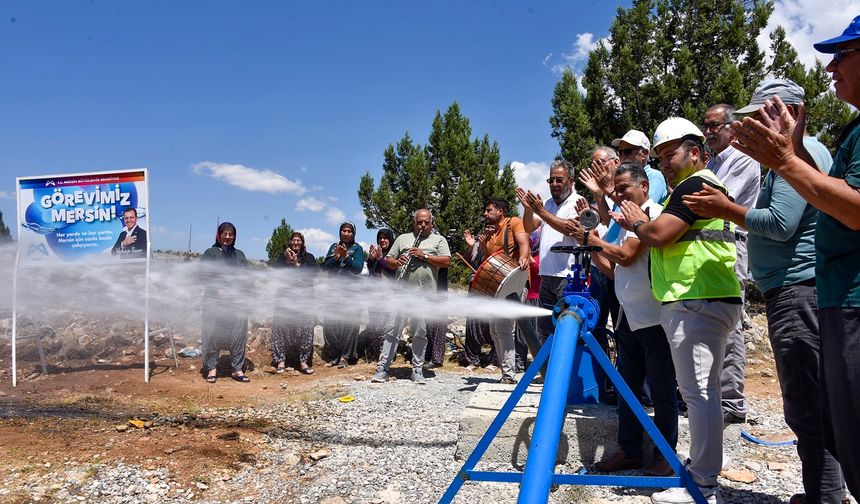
point(637, 224)
point(425, 257)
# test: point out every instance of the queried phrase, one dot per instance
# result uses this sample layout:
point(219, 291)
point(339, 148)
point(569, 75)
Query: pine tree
point(453, 176)
point(664, 58)
point(570, 123)
point(5, 234)
point(279, 241)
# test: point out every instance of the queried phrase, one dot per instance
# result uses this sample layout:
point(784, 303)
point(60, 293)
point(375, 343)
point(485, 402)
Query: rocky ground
point(98, 434)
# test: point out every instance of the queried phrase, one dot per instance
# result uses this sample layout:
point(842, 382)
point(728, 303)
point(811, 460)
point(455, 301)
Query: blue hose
point(749, 437)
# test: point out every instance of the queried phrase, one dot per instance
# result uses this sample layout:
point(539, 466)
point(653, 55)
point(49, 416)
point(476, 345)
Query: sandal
point(211, 379)
point(240, 378)
point(307, 370)
point(331, 363)
point(280, 369)
point(342, 364)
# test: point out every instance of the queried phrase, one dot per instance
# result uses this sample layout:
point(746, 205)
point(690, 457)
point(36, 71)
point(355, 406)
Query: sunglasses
point(839, 55)
point(557, 180)
point(628, 151)
point(713, 125)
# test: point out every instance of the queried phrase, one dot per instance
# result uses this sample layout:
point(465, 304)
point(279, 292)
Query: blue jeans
point(645, 353)
point(792, 323)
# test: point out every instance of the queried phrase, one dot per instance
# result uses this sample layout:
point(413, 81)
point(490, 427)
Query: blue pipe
point(540, 464)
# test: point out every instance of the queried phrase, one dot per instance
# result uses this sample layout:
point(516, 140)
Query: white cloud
point(577, 57)
point(250, 179)
point(257, 239)
point(531, 176)
point(807, 22)
point(317, 240)
point(5, 195)
point(310, 204)
point(335, 215)
point(303, 169)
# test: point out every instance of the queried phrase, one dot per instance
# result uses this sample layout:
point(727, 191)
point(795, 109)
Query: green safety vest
point(700, 264)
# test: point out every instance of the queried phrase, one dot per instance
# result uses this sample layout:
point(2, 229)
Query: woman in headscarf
point(225, 305)
point(344, 260)
point(371, 338)
point(293, 330)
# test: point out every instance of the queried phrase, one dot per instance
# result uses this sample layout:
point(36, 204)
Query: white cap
point(633, 137)
point(674, 128)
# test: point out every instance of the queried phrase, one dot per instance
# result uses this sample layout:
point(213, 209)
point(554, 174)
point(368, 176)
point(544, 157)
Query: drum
point(500, 276)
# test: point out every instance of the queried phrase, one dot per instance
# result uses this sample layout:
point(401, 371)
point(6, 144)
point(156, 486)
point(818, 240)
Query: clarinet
point(408, 261)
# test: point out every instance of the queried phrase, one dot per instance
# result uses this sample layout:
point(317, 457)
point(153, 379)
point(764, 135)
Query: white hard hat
point(674, 128)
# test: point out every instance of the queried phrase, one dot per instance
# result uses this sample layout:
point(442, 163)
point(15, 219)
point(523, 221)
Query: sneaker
point(381, 376)
point(682, 496)
point(418, 376)
point(619, 461)
point(507, 380)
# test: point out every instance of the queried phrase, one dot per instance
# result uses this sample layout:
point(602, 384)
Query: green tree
point(5, 235)
point(453, 175)
point(570, 122)
point(826, 114)
point(663, 58)
point(279, 241)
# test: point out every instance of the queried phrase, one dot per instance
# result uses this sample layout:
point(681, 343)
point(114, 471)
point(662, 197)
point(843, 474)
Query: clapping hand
point(632, 213)
point(709, 202)
point(774, 138)
point(340, 251)
point(529, 199)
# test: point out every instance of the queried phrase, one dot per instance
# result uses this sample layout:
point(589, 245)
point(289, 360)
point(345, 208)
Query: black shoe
point(728, 418)
point(507, 380)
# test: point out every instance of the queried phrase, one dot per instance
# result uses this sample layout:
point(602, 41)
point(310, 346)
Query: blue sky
point(256, 111)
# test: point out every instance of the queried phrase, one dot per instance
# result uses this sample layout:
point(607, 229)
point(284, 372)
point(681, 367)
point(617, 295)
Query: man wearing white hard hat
point(776, 140)
point(692, 275)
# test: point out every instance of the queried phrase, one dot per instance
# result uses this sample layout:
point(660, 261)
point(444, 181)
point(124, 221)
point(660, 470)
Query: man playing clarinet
point(418, 256)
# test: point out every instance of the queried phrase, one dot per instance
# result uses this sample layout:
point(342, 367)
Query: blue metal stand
point(574, 316)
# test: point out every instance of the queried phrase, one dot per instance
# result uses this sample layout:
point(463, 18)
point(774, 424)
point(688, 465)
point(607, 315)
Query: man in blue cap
point(776, 140)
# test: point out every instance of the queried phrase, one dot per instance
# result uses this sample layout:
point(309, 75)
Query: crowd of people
point(680, 243)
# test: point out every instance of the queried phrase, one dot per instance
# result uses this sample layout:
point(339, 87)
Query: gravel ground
point(394, 443)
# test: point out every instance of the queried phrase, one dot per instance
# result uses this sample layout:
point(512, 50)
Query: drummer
point(511, 237)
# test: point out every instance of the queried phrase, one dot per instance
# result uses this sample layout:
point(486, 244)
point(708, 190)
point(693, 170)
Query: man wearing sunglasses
point(775, 139)
point(740, 174)
point(555, 218)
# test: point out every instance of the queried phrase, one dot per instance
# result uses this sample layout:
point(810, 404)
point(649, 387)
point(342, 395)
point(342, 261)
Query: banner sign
point(97, 216)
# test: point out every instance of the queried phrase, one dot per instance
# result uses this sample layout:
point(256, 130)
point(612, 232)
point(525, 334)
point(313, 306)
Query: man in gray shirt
point(417, 256)
point(740, 174)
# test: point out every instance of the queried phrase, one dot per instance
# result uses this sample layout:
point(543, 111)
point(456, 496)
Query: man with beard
point(511, 237)
point(692, 276)
point(740, 174)
point(555, 218)
point(417, 256)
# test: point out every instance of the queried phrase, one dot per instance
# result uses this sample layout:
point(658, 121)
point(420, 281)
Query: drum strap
point(510, 249)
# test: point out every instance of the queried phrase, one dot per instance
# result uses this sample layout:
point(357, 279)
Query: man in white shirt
point(643, 349)
point(556, 220)
point(741, 175)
